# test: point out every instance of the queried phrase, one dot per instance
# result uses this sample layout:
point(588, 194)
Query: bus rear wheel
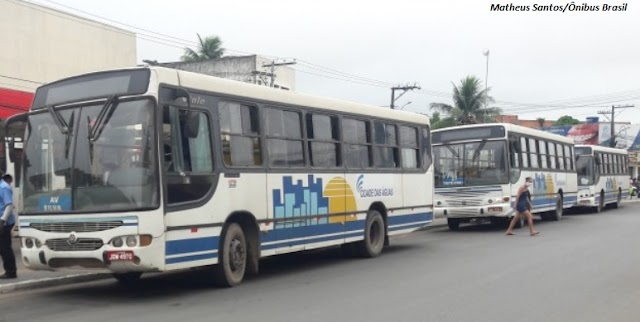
point(374, 236)
point(232, 257)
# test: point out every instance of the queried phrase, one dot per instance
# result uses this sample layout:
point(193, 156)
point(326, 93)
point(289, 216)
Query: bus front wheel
point(232, 257)
point(618, 200)
point(453, 223)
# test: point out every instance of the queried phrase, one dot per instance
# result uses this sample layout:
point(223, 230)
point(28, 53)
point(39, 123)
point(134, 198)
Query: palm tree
point(468, 99)
point(210, 48)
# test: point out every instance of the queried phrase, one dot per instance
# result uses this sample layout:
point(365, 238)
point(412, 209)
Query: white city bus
point(155, 169)
point(478, 170)
point(603, 177)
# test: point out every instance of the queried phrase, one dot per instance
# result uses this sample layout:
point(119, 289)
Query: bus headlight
point(28, 243)
point(117, 242)
point(132, 241)
point(38, 243)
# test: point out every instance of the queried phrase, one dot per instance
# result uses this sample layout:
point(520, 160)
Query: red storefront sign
point(14, 102)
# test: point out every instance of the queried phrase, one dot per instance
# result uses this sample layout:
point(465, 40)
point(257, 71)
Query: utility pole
point(404, 89)
point(273, 66)
point(612, 141)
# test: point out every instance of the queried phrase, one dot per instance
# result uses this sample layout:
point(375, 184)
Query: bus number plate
point(120, 256)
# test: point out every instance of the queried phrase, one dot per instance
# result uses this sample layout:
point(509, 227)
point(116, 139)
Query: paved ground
point(584, 268)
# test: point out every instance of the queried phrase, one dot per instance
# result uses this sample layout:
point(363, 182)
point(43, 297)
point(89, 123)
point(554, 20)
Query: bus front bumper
point(486, 211)
point(106, 258)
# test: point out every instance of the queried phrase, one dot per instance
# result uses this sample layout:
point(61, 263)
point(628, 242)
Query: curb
point(52, 281)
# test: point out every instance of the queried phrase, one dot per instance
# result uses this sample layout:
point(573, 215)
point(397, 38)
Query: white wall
point(44, 45)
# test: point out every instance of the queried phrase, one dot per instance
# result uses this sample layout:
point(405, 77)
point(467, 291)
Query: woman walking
point(523, 208)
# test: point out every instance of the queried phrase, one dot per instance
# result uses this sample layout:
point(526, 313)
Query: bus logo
point(72, 238)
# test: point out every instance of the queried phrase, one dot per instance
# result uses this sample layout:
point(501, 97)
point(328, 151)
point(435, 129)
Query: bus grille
point(83, 244)
point(463, 212)
point(464, 203)
point(80, 227)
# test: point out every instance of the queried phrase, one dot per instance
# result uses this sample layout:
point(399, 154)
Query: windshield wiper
point(67, 140)
point(103, 118)
point(59, 120)
point(476, 153)
point(455, 154)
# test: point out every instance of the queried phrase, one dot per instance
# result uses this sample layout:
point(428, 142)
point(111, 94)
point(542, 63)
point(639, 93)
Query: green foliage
point(566, 120)
point(210, 48)
point(468, 105)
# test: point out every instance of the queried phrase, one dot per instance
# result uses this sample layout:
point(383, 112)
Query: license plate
point(585, 201)
point(120, 256)
point(495, 208)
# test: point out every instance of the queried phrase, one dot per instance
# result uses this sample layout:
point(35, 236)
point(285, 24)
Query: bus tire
point(618, 200)
point(127, 278)
point(600, 206)
point(557, 214)
point(374, 236)
point(232, 257)
point(453, 223)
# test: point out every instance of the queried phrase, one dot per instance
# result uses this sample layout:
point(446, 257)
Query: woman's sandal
point(535, 233)
point(509, 234)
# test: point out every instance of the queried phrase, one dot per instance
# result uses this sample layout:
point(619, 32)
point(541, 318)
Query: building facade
point(251, 69)
point(40, 45)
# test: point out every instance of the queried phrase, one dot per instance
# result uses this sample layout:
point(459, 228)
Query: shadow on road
point(157, 286)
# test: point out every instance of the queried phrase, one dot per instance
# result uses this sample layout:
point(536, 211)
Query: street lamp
point(486, 80)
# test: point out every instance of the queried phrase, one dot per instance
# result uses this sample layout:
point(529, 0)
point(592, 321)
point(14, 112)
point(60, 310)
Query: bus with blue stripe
point(479, 168)
point(603, 176)
point(156, 169)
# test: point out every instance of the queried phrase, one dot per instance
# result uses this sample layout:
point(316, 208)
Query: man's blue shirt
point(6, 198)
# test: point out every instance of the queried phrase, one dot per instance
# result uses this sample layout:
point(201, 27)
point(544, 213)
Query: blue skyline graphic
point(296, 200)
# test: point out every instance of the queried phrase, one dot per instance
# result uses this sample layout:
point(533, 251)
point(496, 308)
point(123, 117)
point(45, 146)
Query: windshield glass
point(470, 164)
point(114, 170)
point(584, 166)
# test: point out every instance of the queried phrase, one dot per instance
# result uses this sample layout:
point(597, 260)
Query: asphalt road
point(584, 268)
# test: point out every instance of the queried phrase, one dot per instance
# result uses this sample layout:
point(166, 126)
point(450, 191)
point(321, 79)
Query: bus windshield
point(584, 167)
point(95, 164)
point(470, 164)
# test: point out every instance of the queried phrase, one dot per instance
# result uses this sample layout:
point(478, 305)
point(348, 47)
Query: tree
point(468, 104)
point(566, 120)
point(437, 122)
point(210, 48)
point(541, 121)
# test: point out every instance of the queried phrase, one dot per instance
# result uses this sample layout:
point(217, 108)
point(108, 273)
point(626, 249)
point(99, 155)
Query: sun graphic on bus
point(341, 199)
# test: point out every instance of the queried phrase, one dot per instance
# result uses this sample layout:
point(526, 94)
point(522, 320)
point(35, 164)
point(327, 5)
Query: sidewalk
point(29, 279)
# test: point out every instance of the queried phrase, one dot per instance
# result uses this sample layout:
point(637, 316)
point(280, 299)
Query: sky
point(541, 64)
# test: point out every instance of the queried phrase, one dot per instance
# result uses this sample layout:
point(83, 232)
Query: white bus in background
point(603, 177)
point(478, 170)
point(156, 169)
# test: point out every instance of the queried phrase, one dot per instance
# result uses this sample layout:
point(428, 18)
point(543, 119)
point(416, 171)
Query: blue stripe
point(312, 240)
point(399, 220)
point(407, 227)
point(190, 258)
point(183, 246)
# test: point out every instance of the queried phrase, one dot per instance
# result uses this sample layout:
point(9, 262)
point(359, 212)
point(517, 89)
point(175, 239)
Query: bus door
point(14, 129)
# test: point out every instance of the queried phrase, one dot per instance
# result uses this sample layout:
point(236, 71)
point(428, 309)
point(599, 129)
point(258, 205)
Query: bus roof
point(262, 93)
point(600, 148)
point(513, 128)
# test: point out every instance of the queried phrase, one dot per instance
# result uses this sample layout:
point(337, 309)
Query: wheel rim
point(375, 235)
point(237, 255)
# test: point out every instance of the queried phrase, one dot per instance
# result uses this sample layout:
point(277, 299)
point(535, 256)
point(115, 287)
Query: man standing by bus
point(6, 226)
